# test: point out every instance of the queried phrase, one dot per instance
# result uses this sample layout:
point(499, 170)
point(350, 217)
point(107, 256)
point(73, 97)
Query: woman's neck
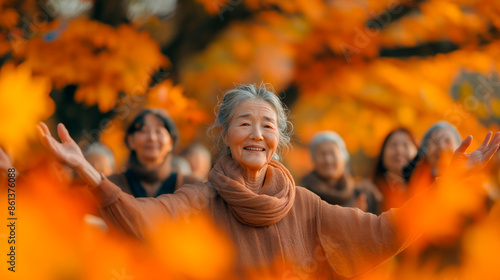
point(395, 178)
point(150, 164)
point(254, 179)
point(332, 181)
point(149, 172)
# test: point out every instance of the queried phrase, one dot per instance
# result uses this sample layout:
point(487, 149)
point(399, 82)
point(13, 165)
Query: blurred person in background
point(436, 148)
point(181, 165)
point(331, 179)
point(151, 138)
point(435, 153)
point(199, 159)
point(398, 148)
point(100, 157)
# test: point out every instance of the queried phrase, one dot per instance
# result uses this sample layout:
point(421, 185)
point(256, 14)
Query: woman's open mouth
point(254, 149)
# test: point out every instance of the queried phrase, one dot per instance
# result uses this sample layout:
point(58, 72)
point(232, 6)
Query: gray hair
point(235, 96)
point(181, 165)
point(329, 136)
point(197, 148)
point(97, 148)
point(438, 126)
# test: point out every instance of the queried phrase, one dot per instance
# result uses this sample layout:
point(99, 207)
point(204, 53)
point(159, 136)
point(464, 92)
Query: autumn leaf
point(102, 61)
point(186, 112)
point(24, 101)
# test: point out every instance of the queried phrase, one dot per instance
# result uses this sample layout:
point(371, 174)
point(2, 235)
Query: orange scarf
point(268, 206)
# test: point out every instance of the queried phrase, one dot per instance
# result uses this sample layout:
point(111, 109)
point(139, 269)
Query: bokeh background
point(360, 68)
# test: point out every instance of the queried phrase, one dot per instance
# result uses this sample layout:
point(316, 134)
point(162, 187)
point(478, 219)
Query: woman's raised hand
point(67, 150)
point(478, 158)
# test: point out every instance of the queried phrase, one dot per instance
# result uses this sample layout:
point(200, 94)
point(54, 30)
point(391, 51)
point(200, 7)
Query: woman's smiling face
point(253, 135)
point(328, 161)
point(399, 150)
point(152, 142)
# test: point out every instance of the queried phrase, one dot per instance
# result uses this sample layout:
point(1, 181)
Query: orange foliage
point(8, 14)
point(213, 7)
point(113, 136)
point(441, 210)
point(197, 244)
point(58, 243)
point(437, 20)
point(482, 250)
point(8, 20)
point(325, 50)
point(248, 52)
point(374, 94)
point(185, 112)
point(387, 93)
point(5, 45)
point(24, 101)
point(101, 60)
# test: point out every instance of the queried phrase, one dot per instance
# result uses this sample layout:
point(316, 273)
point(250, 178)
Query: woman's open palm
point(478, 158)
point(67, 150)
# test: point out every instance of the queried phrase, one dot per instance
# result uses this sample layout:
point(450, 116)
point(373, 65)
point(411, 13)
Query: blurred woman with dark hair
point(398, 148)
point(151, 138)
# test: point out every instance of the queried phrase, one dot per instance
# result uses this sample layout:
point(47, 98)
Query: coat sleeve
point(355, 241)
point(134, 216)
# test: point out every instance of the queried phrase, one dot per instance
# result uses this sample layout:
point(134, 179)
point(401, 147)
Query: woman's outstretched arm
point(131, 215)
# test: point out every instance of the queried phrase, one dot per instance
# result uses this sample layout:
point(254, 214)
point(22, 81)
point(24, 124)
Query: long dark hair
point(379, 175)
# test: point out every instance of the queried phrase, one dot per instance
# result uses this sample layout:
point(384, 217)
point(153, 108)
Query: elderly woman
point(398, 148)
point(151, 138)
point(253, 197)
point(100, 157)
point(199, 160)
point(438, 144)
point(331, 179)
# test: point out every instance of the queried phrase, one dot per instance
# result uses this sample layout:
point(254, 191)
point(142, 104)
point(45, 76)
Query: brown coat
point(281, 222)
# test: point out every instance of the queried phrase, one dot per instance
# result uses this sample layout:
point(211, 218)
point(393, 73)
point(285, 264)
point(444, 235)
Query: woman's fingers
point(42, 136)
point(464, 145)
point(52, 143)
point(496, 139)
point(490, 152)
point(63, 133)
point(47, 140)
point(45, 128)
point(486, 140)
point(492, 147)
point(40, 130)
